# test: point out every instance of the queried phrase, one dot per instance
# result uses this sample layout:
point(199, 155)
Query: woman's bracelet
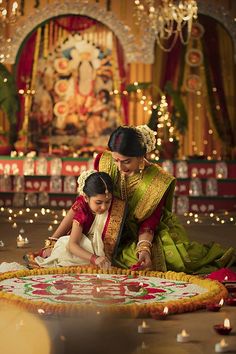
point(143, 247)
point(144, 241)
point(93, 259)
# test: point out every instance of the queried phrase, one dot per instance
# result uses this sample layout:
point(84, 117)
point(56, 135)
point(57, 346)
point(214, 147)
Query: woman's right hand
point(103, 262)
point(144, 260)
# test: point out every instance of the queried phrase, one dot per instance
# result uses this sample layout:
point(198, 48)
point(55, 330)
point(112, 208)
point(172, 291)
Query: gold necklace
point(128, 184)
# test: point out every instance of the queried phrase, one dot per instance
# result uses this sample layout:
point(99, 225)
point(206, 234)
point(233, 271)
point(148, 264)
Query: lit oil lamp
point(215, 307)
point(223, 328)
point(160, 315)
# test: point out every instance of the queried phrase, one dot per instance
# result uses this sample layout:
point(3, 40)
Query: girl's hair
point(127, 141)
point(98, 183)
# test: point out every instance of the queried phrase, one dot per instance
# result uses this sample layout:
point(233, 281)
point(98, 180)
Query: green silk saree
point(171, 249)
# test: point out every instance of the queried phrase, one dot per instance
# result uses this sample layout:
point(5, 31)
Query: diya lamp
point(162, 315)
point(44, 313)
point(215, 307)
point(20, 242)
point(144, 328)
point(231, 287)
point(97, 280)
point(99, 293)
point(134, 287)
point(26, 241)
point(221, 347)
point(223, 328)
point(183, 337)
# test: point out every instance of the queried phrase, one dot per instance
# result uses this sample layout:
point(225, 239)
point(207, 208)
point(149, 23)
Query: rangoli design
point(65, 290)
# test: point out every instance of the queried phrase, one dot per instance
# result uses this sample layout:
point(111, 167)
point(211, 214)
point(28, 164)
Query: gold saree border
point(153, 194)
point(114, 225)
point(215, 292)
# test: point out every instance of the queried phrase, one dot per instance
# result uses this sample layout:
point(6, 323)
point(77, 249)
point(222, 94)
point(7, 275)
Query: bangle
point(93, 259)
point(143, 247)
point(144, 241)
point(53, 238)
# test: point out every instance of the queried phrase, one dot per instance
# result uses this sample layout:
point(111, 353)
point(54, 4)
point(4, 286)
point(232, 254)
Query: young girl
point(85, 245)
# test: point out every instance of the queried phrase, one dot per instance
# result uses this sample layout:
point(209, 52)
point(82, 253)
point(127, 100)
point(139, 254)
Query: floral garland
point(216, 291)
point(149, 137)
point(82, 179)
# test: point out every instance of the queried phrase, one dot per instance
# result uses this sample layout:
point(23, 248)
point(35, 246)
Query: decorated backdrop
point(67, 101)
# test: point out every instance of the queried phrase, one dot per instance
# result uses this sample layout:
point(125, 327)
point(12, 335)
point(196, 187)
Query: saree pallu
point(171, 248)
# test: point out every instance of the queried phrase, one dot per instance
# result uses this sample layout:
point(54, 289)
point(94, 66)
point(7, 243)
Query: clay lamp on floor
point(215, 307)
point(223, 328)
point(160, 315)
point(134, 287)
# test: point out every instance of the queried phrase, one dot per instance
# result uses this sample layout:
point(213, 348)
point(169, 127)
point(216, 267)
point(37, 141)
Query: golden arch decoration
point(143, 53)
point(26, 26)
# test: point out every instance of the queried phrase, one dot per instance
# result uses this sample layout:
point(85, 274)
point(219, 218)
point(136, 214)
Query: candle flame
point(226, 323)
point(98, 289)
point(41, 311)
point(20, 238)
point(223, 343)
point(144, 324)
point(184, 333)
point(166, 310)
point(221, 303)
point(226, 278)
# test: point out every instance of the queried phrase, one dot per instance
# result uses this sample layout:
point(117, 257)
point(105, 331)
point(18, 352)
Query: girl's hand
point(46, 252)
point(144, 260)
point(103, 262)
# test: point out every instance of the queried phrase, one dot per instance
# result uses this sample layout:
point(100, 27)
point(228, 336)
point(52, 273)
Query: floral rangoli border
point(215, 292)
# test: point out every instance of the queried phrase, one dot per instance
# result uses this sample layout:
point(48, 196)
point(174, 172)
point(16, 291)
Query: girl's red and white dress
point(100, 234)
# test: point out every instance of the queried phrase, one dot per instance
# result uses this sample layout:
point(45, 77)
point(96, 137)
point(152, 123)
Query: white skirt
point(61, 256)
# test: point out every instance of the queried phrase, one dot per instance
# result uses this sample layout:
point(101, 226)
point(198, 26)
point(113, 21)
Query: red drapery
point(75, 23)
point(24, 71)
point(214, 79)
point(123, 72)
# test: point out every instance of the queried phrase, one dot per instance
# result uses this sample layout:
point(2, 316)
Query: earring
point(141, 166)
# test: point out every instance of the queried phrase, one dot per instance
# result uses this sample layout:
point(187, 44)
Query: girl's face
point(127, 165)
point(99, 203)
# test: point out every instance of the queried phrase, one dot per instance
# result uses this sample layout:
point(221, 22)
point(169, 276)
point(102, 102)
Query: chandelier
point(167, 19)
point(7, 15)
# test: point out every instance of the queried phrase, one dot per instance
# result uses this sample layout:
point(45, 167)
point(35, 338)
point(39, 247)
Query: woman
point(152, 237)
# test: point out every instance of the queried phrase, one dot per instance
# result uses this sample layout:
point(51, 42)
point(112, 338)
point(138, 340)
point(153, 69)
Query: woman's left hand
point(145, 260)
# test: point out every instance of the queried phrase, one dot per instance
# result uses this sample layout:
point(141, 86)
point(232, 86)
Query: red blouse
point(83, 214)
point(149, 224)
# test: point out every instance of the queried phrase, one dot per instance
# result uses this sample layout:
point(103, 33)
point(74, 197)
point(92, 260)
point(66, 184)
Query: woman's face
point(126, 164)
